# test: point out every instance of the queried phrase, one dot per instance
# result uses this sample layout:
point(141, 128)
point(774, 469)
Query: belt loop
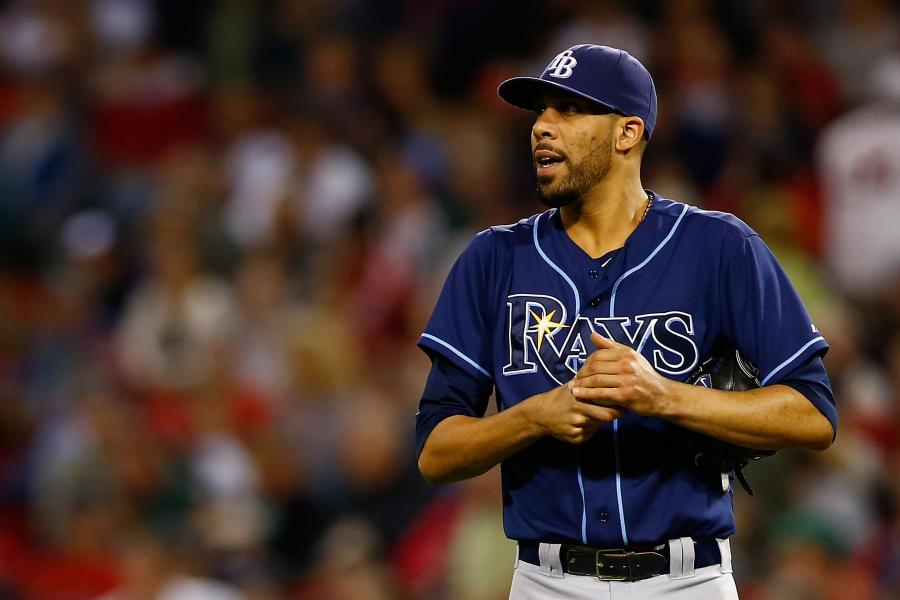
point(687, 565)
point(516, 564)
point(725, 551)
point(675, 559)
point(551, 564)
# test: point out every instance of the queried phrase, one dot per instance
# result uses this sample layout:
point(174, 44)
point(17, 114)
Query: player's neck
point(602, 219)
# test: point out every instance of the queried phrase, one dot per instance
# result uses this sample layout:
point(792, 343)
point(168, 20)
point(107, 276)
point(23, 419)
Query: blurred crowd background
point(224, 223)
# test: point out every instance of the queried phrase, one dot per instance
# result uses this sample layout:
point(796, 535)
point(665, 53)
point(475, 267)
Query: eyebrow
point(588, 106)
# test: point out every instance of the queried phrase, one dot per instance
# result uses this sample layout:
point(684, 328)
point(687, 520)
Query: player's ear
point(631, 132)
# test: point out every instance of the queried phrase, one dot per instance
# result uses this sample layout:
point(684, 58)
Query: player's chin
point(545, 183)
point(550, 181)
point(553, 197)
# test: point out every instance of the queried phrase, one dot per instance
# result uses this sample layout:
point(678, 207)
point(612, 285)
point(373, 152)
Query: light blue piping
point(571, 283)
point(612, 301)
point(793, 356)
point(612, 311)
point(619, 482)
point(457, 352)
point(556, 268)
point(583, 505)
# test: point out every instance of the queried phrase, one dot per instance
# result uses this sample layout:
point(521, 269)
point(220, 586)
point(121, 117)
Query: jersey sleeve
point(459, 327)
point(762, 314)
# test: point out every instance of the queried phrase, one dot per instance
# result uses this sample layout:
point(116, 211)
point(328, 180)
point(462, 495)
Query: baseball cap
point(608, 76)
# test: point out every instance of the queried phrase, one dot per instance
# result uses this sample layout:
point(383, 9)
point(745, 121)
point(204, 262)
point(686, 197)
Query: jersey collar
point(592, 277)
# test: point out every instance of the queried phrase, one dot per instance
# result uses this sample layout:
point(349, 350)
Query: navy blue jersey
point(516, 312)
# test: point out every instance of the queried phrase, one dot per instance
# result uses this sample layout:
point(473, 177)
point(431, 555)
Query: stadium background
point(223, 224)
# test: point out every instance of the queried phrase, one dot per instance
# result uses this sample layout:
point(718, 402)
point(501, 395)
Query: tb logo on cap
point(562, 65)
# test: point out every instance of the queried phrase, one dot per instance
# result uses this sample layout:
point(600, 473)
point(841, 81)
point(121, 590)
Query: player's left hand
point(616, 375)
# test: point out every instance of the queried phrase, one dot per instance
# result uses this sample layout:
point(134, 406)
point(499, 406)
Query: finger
point(602, 414)
point(599, 367)
point(592, 363)
point(597, 394)
point(605, 354)
point(587, 433)
point(605, 380)
point(604, 402)
point(592, 425)
point(603, 342)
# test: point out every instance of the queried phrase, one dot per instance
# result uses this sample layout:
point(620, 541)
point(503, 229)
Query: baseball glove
point(732, 372)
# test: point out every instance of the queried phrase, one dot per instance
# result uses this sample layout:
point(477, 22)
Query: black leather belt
point(621, 564)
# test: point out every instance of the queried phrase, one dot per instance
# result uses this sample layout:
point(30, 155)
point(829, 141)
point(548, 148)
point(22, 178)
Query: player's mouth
point(547, 162)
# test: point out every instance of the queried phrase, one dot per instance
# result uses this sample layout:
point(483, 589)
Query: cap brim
point(525, 92)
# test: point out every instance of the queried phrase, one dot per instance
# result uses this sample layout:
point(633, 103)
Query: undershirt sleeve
point(450, 390)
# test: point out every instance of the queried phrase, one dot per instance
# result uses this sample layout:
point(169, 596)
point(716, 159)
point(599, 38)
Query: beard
point(579, 178)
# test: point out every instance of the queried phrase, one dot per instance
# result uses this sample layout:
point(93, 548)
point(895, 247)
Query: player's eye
point(568, 108)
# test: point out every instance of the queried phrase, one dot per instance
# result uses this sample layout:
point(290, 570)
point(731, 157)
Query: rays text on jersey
point(541, 338)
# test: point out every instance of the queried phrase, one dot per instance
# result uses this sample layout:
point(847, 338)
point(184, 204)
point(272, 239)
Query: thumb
point(602, 342)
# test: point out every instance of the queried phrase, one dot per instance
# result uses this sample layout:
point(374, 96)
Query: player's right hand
point(560, 414)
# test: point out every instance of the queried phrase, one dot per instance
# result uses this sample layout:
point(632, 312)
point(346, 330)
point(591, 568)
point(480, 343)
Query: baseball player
point(586, 320)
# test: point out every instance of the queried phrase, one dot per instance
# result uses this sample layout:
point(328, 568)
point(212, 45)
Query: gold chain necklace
point(646, 210)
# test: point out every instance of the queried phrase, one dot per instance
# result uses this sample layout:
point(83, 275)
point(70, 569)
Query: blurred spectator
point(860, 167)
point(857, 37)
point(265, 313)
point(261, 165)
point(150, 572)
point(810, 562)
point(699, 61)
point(42, 163)
point(456, 549)
point(148, 101)
point(350, 546)
point(334, 183)
point(174, 319)
point(612, 21)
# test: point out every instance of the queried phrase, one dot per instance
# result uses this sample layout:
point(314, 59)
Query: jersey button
point(604, 516)
point(593, 274)
point(595, 302)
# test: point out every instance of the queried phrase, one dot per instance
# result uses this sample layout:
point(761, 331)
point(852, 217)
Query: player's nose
point(544, 127)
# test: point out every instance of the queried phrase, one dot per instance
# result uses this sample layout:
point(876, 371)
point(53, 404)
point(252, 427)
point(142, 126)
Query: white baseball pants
point(548, 582)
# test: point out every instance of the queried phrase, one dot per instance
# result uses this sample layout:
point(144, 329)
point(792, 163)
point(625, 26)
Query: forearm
point(460, 446)
point(771, 417)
